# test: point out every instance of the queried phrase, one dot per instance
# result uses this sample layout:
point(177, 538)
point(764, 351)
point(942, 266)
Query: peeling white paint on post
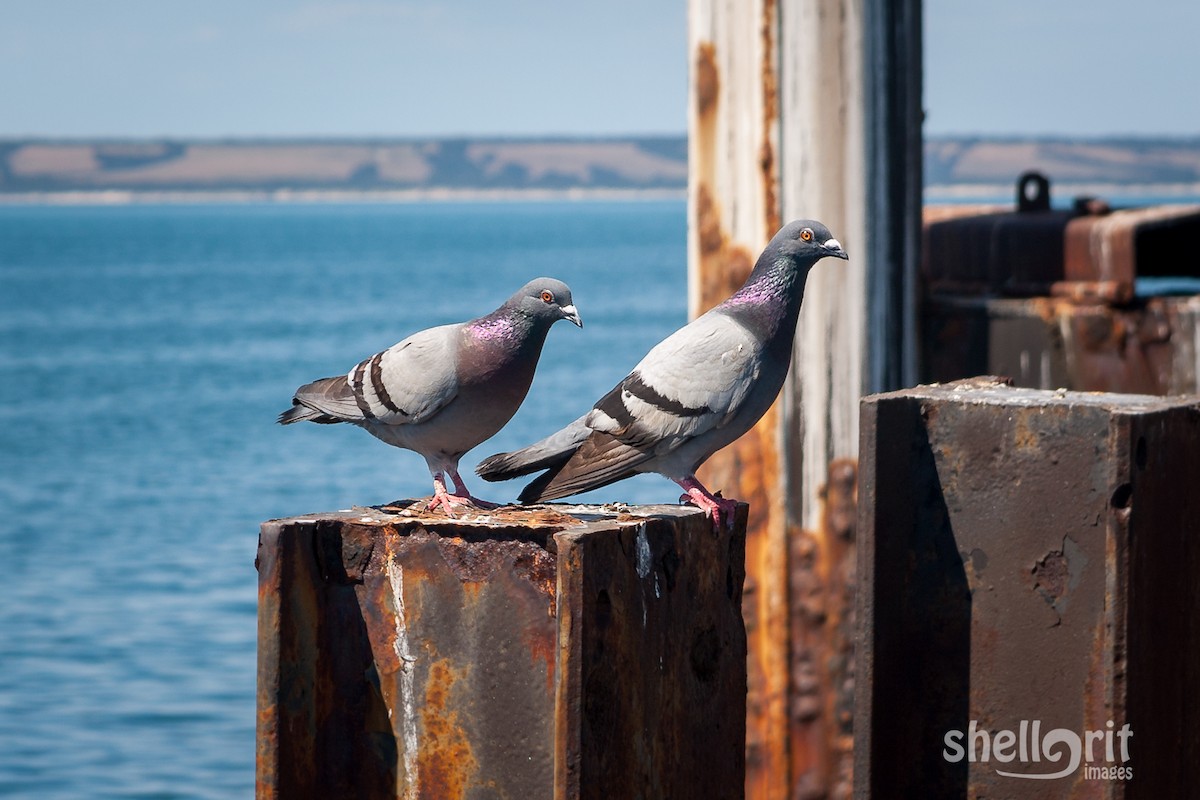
point(408, 701)
point(806, 109)
point(821, 177)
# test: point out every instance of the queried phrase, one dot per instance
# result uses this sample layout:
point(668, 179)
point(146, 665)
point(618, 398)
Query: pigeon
point(695, 392)
point(444, 390)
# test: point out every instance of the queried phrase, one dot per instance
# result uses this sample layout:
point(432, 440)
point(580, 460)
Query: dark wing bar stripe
point(356, 386)
point(377, 384)
point(647, 394)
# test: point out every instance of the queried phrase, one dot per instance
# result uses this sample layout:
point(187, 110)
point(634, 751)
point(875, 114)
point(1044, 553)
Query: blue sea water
point(144, 354)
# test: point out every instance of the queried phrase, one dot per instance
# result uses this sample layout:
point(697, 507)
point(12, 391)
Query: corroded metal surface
point(1026, 555)
point(1080, 322)
point(652, 654)
point(822, 583)
point(1087, 253)
point(1149, 347)
point(402, 654)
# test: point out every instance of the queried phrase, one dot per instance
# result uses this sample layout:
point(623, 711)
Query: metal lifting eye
point(806, 235)
point(547, 297)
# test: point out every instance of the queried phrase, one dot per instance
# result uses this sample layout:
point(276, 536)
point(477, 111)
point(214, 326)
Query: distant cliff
point(648, 163)
point(958, 161)
point(642, 163)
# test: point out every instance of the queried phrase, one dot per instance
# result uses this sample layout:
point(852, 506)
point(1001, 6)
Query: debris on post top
point(556, 650)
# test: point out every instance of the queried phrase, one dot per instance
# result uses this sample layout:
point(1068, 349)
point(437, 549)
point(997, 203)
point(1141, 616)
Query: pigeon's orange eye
point(547, 297)
point(806, 235)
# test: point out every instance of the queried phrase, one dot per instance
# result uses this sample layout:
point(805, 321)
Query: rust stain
point(724, 266)
point(822, 586)
point(446, 765)
point(1025, 435)
point(542, 650)
point(707, 78)
point(770, 95)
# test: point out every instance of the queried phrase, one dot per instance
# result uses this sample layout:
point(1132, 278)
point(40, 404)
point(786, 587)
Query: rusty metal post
point(565, 651)
point(806, 108)
point(1028, 565)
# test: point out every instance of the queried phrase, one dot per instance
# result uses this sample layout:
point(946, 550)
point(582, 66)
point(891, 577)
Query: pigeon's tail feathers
point(549, 453)
point(325, 401)
point(302, 413)
point(599, 460)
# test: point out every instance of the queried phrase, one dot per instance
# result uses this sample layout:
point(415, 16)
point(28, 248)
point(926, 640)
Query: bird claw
point(448, 501)
point(444, 502)
point(714, 508)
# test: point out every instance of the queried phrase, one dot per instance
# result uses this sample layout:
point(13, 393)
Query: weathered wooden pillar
point(1029, 603)
point(806, 108)
point(562, 651)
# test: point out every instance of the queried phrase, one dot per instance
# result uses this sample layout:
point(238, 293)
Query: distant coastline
point(113, 172)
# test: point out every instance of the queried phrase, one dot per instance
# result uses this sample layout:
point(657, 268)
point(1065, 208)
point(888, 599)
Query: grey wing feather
point(552, 451)
point(598, 461)
point(407, 383)
point(326, 400)
point(410, 381)
point(691, 382)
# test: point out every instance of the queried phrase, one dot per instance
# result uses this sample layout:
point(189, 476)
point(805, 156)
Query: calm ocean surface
point(144, 354)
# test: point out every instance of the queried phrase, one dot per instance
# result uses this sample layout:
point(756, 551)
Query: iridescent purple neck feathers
point(498, 327)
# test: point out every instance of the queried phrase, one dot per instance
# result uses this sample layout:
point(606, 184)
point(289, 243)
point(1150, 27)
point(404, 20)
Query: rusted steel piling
point(1027, 556)
point(559, 651)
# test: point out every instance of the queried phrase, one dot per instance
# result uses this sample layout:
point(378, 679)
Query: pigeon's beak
point(833, 247)
point(570, 313)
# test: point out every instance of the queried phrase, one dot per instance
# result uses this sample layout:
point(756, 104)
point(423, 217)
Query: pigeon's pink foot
point(717, 508)
point(443, 499)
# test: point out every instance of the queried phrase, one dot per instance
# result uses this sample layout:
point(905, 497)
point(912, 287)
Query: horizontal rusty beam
point(567, 651)
point(1027, 557)
point(1089, 252)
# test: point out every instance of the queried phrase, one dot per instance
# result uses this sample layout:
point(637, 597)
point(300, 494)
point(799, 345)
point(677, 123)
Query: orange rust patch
point(770, 94)
point(707, 78)
point(724, 266)
point(708, 222)
point(542, 649)
point(446, 765)
point(1025, 437)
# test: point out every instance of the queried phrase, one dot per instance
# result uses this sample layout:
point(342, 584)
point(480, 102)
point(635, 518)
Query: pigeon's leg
point(713, 506)
point(460, 490)
point(441, 498)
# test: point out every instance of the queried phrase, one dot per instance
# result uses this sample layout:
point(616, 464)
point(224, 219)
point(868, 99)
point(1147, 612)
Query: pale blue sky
point(399, 68)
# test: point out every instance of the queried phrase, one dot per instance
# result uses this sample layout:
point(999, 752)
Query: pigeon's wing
point(411, 381)
point(691, 382)
point(407, 383)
